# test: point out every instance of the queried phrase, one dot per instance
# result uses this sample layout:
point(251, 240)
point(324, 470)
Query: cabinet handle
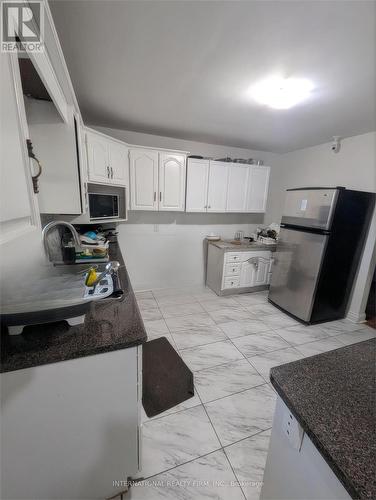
point(112, 173)
point(160, 195)
point(155, 196)
point(108, 171)
point(209, 206)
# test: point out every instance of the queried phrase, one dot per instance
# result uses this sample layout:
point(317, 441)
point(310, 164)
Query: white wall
point(354, 167)
point(166, 249)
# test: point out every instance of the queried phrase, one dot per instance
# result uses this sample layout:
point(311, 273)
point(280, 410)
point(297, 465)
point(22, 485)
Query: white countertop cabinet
point(235, 272)
point(221, 187)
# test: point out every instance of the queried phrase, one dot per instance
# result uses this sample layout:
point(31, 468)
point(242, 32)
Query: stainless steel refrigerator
point(323, 231)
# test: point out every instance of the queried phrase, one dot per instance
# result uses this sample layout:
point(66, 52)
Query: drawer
point(231, 282)
point(232, 269)
point(233, 257)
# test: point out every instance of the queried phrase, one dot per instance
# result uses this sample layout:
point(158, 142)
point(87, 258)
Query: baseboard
point(355, 317)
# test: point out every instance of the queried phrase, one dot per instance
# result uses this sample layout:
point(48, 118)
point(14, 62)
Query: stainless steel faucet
point(50, 226)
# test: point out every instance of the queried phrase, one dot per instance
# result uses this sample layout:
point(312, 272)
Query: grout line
point(235, 393)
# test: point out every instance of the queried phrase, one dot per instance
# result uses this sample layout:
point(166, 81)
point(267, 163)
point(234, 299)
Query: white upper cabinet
point(143, 179)
point(214, 186)
point(118, 163)
point(237, 188)
point(197, 185)
point(97, 155)
point(171, 182)
point(157, 180)
point(107, 160)
point(258, 188)
point(18, 203)
point(217, 190)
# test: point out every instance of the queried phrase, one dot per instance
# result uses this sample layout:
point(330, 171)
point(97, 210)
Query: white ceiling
point(182, 68)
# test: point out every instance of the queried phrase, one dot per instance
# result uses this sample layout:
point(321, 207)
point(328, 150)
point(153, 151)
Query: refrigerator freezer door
point(310, 207)
point(296, 271)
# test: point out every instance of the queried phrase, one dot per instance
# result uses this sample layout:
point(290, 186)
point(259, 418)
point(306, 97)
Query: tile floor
point(214, 445)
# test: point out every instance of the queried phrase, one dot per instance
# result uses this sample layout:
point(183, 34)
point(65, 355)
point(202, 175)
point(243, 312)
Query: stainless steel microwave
point(103, 206)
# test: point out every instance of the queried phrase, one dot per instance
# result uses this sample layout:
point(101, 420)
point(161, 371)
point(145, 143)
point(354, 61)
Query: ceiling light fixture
point(281, 93)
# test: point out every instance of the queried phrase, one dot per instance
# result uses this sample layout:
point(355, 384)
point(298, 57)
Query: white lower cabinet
point(70, 429)
point(238, 271)
point(214, 186)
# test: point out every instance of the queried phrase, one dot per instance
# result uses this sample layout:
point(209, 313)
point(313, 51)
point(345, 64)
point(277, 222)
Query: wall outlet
point(292, 430)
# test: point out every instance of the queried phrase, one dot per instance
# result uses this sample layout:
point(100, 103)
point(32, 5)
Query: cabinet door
point(247, 274)
point(171, 182)
point(119, 159)
point(144, 179)
point(197, 185)
point(18, 204)
point(98, 160)
point(262, 272)
point(237, 188)
point(217, 190)
point(257, 188)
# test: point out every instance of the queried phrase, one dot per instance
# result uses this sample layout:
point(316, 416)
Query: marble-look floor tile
point(156, 327)
point(205, 478)
point(188, 403)
point(358, 336)
point(279, 321)
point(217, 303)
point(249, 299)
point(206, 356)
point(301, 334)
point(264, 362)
point(261, 310)
point(148, 294)
point(190, 321)
point(175, 439)
point(151, 314)
point(226, 314)
point(198, 336)
point(146, 303)
point(224, 380)
point(248, 459)
point(170, 292)
point(340, 326)
point(202, 293)
point(258, 343)
point(242, 415)
point(181, 309)
point(319, 346)
point(235, 329)
point(175, 300)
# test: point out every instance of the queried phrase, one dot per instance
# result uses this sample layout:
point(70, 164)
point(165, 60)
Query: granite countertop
point(332, 395)
point(109, 325)
point(227, 246)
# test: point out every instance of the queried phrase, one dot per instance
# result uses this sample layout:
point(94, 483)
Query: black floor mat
point(166, 379)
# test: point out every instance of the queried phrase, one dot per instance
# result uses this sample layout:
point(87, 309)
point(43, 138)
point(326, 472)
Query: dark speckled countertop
point(109, 326)
point(332, 395)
